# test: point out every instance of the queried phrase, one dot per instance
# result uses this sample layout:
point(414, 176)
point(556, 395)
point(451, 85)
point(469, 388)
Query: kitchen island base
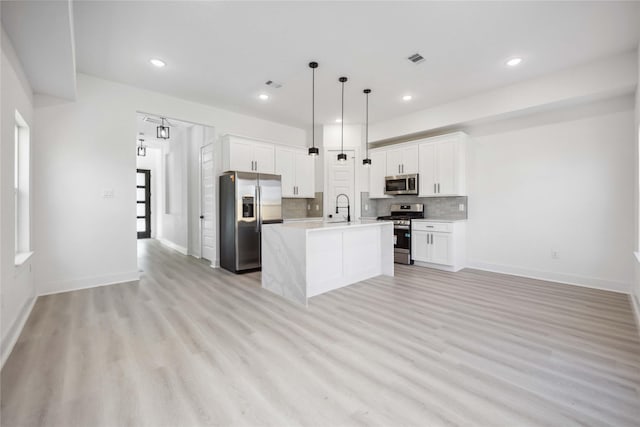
point(305, 259)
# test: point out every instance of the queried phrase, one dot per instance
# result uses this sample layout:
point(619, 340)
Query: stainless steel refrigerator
point(247, 200)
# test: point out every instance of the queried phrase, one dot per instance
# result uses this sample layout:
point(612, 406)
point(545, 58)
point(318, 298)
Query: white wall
point(17, 291)
point(565, 184)
point(175, 211)
point(86, 146)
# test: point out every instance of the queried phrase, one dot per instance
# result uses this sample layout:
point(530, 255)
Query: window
point(21, 190)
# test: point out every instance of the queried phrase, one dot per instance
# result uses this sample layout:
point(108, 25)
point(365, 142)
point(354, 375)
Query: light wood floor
point(190, 346)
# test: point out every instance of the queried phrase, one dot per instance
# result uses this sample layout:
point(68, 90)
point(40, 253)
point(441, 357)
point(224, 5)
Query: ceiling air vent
point(271, 83)
point(416, 58)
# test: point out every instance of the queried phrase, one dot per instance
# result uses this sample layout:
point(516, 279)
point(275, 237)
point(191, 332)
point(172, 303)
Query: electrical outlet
point(366, 207)
point(308, 206)
point(317, 207)
point(555, 254)
point(461, 207)
point(107, 194)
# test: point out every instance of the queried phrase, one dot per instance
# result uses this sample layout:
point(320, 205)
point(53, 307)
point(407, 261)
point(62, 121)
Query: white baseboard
point(171, 245)
point(587, 282)
point(15, 330)
point(85, 283)
point(451, 268)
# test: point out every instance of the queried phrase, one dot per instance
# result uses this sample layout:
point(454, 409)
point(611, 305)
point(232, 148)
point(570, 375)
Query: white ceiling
point(42, 35)
point(221, 53)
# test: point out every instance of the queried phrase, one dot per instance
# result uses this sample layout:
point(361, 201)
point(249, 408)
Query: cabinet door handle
point(438, 188)
point(431, 238)
point(434, 188)
point(403, 168)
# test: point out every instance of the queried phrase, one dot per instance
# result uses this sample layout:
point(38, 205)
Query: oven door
point(402, 244)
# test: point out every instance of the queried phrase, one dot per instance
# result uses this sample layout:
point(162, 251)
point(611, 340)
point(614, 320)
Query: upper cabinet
point(377, 172)
point(297, 170)
point(401, 161)
point(442, 166)
point(440, 163)
point(246, 155)
point(295, 167)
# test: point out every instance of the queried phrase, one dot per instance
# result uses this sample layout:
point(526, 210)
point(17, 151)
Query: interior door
point(207, 198)
point(341, 180)
point(143, 208)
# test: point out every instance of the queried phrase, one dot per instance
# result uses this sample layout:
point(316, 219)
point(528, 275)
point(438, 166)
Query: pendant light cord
point(342, 123)
point(366, 131)
point(313, 107)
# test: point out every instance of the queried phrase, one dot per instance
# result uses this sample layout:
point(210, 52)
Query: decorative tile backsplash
point(302, 208)
point(435, 207)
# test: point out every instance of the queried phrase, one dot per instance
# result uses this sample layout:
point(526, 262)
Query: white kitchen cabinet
point(442, 163)
point(243, 154)
point(297, 170)
point(401, 161)
point(438, 245)
point(377, 172)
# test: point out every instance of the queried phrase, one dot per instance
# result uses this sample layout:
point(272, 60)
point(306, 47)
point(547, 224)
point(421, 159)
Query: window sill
point(22, 257)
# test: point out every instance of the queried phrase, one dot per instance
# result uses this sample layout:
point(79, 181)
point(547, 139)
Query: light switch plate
point(107, 194)
point(461, 207)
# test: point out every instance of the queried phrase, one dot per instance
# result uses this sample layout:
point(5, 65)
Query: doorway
point(207, 203)
point(143, 208)
point(340, 180)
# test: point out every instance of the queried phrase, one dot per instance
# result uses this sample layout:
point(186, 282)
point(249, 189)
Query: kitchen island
point(304, 259)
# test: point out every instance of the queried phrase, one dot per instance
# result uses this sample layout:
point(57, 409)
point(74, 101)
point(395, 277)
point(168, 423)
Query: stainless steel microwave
point(401, 184)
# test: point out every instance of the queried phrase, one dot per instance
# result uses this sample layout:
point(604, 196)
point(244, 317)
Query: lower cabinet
point(439, 244)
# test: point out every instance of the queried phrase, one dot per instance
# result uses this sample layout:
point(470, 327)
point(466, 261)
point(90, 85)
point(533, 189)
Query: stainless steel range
point(401, 216)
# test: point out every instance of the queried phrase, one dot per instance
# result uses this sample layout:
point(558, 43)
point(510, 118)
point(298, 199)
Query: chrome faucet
point(342, 207)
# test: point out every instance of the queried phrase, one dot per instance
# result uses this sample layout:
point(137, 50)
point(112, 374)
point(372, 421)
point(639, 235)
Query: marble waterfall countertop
point(304, 259)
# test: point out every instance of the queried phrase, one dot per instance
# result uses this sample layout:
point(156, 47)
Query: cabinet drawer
point(444, 227)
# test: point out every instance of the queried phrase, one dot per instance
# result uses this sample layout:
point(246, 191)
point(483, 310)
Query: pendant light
point(366, 162)
point(162, 131)
point(313, 150)
point(342, 157)
point(142, 150)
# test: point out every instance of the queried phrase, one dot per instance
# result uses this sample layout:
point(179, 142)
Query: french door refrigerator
point(247, 200)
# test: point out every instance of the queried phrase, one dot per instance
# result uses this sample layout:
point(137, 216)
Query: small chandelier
point(142, 149)
point(313, 150)
point(342, 157)
point(366, 162)
point(162, 131)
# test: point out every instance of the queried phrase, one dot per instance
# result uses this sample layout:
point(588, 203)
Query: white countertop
point(319, 225)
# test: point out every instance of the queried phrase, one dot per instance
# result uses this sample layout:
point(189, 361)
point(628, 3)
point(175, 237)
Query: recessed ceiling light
point(514, 61)
point(338, 120)
point(263, 96)
point(157, 62)
point(407, 98)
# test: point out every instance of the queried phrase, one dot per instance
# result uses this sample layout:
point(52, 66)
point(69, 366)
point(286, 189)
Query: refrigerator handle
point(258, 203)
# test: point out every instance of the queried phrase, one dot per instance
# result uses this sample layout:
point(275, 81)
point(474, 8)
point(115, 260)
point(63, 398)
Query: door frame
point(329, 205)
point(147, 195)
point(201, 201)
